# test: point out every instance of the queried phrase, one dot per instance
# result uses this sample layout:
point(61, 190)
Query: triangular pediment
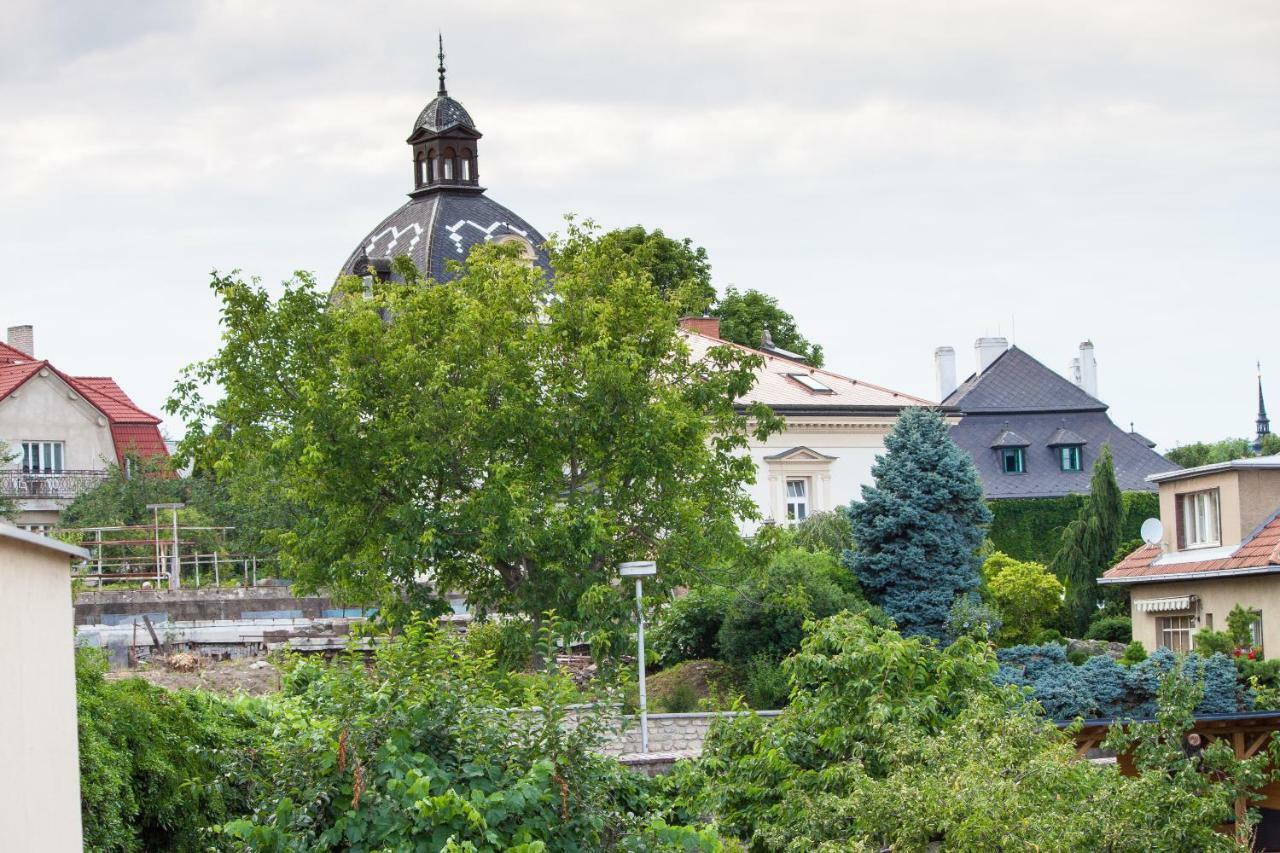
point(800, 454)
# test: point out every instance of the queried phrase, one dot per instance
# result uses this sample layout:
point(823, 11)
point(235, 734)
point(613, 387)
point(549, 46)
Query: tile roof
point(13, 375)
point(1009, 438)
point(110, 399)
point(776, 388)
point(1016, 382)
point(1065, 438)
point(1261, 550)
point(12, 355)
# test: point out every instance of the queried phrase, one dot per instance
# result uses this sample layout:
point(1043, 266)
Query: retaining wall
point(669, 733)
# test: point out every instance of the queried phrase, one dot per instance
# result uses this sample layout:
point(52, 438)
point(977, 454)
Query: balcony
point(63, 485)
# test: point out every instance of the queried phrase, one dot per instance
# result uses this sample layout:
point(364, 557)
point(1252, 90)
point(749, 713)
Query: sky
point(900, 175)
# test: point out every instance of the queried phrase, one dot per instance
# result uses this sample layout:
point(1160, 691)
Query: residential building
point(39, 759)
point(62, 431)
point(835, 428)
point(1219, 546)
point(447, 212)
point(1033, 433)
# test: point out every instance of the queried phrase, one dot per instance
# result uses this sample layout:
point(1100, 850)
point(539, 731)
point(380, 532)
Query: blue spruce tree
point(919, 527)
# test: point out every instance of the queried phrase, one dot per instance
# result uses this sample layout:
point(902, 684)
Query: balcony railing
point(63, 484)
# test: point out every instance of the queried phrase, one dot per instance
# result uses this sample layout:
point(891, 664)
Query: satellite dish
point(1152, 531)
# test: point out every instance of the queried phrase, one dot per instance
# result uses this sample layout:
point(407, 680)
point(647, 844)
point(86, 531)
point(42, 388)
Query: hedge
point(1031, 528)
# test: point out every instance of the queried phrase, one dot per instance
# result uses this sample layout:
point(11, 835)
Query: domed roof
point(441, 114)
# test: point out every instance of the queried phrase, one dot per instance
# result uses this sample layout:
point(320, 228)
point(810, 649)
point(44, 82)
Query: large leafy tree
point(506, 436)
point(918, 529)
point(746, 315)
point(1207, 453)
point(679, 270)
point(1088, 544)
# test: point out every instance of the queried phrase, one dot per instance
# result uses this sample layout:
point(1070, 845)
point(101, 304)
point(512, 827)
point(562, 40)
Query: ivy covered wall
point(1031, 528)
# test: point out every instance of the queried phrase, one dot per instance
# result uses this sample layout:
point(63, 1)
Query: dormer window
point(1013, 460)
point(812, 382)
point(1070, 458)
point(1198, 520)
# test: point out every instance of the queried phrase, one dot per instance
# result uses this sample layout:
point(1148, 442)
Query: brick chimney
point(709, 326)
point(23, 338)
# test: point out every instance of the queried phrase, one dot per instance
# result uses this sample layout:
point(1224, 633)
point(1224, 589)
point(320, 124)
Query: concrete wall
point(1228, 507)
point(853, 442)
point(1216, 598)
point(1259, 497)
point(39, 761)
point(196, 605)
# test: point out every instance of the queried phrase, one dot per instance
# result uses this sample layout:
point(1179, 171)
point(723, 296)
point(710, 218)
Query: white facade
point(39, 755)
point(48, 411)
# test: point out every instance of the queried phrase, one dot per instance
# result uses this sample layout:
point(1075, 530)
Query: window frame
point(55, 448)
point(1019, 453)
point(1165, 629)
point(1186, 509)
point(797, 508)
point(1070, 453)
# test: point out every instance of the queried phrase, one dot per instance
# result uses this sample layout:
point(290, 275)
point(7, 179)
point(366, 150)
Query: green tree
point(825, 531)
point(919, 527)
point(1027, 594)
point(8, 506)
point(679, 270)
point(511, 441)
point(1088, 545)
point(1207, 453)
point(746, 315)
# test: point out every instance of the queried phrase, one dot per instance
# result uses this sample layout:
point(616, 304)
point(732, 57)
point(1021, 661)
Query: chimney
point(987, 350)
point(709, 326)
point(1088, 369)
point(944, 367)
point(1073, 371)
point(23, 338)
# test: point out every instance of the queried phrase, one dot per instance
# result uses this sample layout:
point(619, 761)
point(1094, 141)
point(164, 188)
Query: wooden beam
point(1085, 745)
point(1242, 831)
point(1257, 744)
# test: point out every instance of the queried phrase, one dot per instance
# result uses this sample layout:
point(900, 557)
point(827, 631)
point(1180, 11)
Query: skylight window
point(811, 382)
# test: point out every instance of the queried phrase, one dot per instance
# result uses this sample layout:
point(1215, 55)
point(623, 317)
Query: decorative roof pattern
point(776, 388)
point(441, 114)
point(1260, 551)
point(1016, 382)
point(439, 227)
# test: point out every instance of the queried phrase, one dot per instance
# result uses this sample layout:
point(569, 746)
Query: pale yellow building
point(39, 755)
point(1219, 546)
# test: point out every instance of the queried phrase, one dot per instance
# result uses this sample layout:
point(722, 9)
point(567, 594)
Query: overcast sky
point(900, 175)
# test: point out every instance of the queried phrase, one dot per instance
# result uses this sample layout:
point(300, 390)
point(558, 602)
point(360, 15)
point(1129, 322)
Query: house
point(62, 431)
point(835, 428)
point(1219, 546)
point(39, 759)
point(1033, 433)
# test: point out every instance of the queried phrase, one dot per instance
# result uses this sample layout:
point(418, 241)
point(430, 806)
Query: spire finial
point(1263, 422)
point(440, 69)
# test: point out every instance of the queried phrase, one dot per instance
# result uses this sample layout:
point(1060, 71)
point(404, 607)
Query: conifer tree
point(919, 527)
point(1088, 545)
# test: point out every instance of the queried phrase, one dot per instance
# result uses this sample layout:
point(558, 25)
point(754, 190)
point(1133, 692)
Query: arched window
point(448, 156)
point(433, 165)
point(468, 172)
point(419, 170)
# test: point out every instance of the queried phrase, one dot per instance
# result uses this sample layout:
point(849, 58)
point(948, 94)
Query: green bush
point(1113, 629)
point(1048, 635)
point(682, 699)
point(828, 532)
point(766, 683)
point(688, 683)
point(509, 641)
point(688, 628)
point(1077, 658)
point(1210, 642)
point(1134, 653)
point(1031, 528)
point(970, 616)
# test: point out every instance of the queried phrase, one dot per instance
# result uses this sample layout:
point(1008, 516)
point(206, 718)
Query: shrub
point(1113, 629)
point(689, 682)
point(1027, 594)
point(1211, 642)
point(828, 532)
point(970, 616)
point(1077, 657)
point(766, 683)
point(1135, 652)
point(1048, 635)
point(509, 641)
point(687, 628)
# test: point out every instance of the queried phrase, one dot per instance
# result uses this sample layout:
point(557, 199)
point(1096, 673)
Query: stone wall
point(669, 733)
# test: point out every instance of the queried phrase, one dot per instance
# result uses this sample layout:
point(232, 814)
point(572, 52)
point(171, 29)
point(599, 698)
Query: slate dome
point(448, 212)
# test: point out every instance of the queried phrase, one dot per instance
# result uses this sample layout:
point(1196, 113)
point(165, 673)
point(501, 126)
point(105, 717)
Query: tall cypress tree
point(1088, 546)
point(919, 527)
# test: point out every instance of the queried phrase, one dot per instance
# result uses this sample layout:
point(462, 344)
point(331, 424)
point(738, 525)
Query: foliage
point(8, 506)
point(119, 499)
point(767, 613)
point(1048, 635)
point(1088, 544)
point(1207, 453)
point(509, 642)
point(1211, 642)
point(766, 685)
point(1113, 629)
point(1031, 528)
point(150, 761)
point(513, 444)
point(746, 315)
point(1240, 622)
point(1026, 593)
point(970, 616)
point(831, 532)
point(688, 628)
point(919, 527)
point(1135, 652)
point(679, 270)
point(418, 751)
point(682, 687)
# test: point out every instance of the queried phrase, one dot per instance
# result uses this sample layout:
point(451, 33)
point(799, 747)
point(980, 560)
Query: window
point(797, 500)
point(1174, 633)
point(1069, 457)
point(1013, 460)
point(447, 155)
point(42, 457)
point(1198, 519)
point(434, 165)
point(466, 164)
point(811, 382)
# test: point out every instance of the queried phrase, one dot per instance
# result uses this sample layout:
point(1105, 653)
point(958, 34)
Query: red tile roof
point(1261, 550)
point(108, 398)
point(13, 375)
point(12, 355)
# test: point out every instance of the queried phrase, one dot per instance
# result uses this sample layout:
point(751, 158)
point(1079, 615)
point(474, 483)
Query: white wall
point(39, 758)
point(854, 442)
point(47, 409)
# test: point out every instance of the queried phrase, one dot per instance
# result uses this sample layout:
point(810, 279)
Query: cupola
point(444, 141)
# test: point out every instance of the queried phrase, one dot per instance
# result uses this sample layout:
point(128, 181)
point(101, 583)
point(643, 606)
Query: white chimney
point(23, 338)
point(944, 367)
point(1073, 372)
point(987, 350)
point(1088, 369)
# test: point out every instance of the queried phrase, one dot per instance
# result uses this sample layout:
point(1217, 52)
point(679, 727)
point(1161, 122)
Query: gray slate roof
point(1019, 394)
point(438, 227)
point(1009, 438)
point(1064, 437)
point(441, 114)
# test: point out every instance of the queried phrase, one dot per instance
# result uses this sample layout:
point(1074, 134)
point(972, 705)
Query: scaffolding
point(163, 555)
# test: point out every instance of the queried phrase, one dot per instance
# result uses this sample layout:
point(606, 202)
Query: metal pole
point(216, 580)
point(197, 569)
point(174, 580)
point(644, 705)
point(255, 570)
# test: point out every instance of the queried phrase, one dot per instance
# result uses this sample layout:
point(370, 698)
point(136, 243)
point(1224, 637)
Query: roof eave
point(1190, 576)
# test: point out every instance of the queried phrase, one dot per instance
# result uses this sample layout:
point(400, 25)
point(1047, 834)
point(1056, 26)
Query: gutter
point(1191, 576)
